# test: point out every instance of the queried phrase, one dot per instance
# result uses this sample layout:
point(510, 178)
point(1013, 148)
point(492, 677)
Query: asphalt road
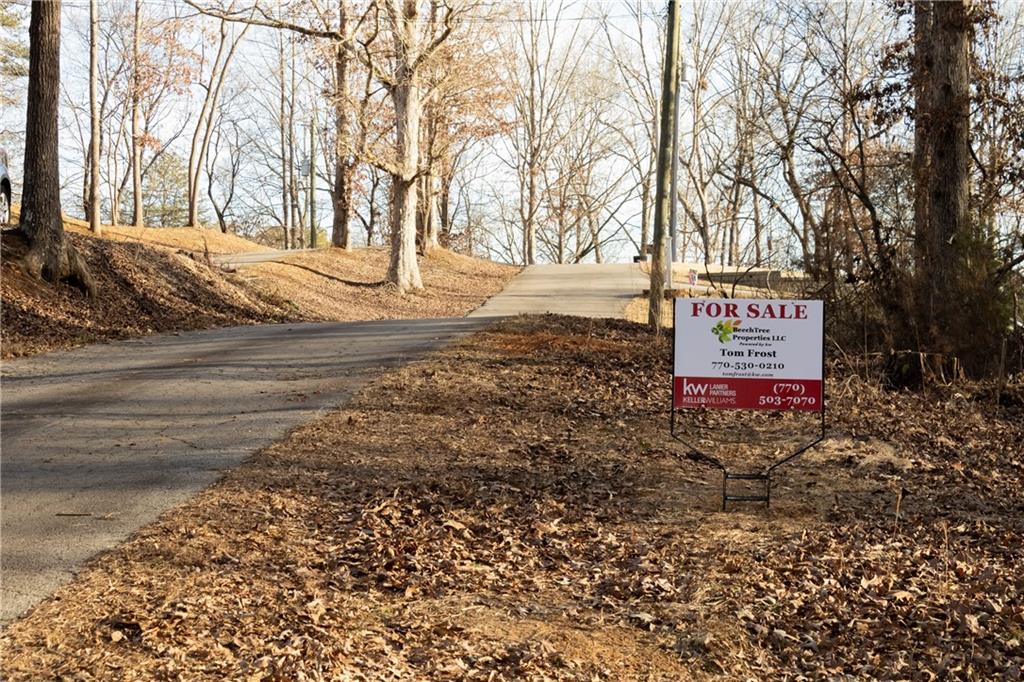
point(98, 441)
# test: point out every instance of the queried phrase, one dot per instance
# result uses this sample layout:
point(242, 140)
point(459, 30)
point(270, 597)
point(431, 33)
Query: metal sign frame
point(765, 476)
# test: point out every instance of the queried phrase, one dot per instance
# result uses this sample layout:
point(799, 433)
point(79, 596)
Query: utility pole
point(674, 214)
point(312, 182)
point(664, 190)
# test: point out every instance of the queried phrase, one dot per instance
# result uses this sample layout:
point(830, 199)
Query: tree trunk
point(137, 218)
point(94, 120)
point(298, 240)
point(957, 298)
point(444, 215)
point(50, 257)
point(341, 236)
point(371, 222)
point(530, 225)
point(430, 214)
point(421, 213)
point(757, 228)
point(430, 162)
point(202, 124)
point(207, 121)
point(312, 179)
point(560, 242)
point(282, 119)
point(645, 218)
point(941, 156)
point(592, 225)
point(923, 65)
point(404, 272)
point(114, 172)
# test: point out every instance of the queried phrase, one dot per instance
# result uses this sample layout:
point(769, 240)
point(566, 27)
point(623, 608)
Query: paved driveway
point(587, 290)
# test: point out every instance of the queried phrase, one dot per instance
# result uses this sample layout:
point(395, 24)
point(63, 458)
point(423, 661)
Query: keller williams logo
point(725, 329)
point(694, 389)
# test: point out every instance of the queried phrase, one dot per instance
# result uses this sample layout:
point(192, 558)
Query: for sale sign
point(761, 354)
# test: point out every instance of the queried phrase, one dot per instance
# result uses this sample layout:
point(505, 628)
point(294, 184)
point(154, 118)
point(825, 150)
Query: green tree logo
point(725, 329)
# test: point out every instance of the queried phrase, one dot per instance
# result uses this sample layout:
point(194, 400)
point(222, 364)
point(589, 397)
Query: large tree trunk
point(137, 218)
point(50, 257)
point(959, 305)
point(94, 120)
point(941, 156)
point(923, 65)
point(404, 272)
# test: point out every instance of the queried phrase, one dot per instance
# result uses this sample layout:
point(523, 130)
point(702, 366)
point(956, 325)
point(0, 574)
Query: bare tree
point(706, 149)
point(951, 254)
point(345, 148)
point(400, 70)
point(229, 139)
point(206, 123)
point(136, 107)
point(94, 120)
point(540, 83)
point(50, 256)
point(636, 57)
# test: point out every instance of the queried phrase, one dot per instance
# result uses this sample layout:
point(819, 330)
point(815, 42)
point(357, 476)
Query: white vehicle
point(5, 191)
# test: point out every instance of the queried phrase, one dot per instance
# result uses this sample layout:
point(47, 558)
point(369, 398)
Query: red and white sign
point(753, 354)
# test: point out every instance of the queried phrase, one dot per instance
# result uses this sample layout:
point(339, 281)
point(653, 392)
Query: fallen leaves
point(513, 509)
point(143, 289)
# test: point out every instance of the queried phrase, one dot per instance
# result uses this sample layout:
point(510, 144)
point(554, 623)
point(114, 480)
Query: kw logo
point(694, 389)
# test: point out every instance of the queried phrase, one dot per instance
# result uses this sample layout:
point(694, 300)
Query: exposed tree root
point(62, 264)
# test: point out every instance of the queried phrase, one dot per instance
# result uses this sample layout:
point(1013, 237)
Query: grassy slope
point(157, 280)
point(189, 239)
point(339, 285)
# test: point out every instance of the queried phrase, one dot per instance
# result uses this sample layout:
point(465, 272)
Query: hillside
point(339, 285)
point(194, 240)
point(191, 239)
point(155, 280)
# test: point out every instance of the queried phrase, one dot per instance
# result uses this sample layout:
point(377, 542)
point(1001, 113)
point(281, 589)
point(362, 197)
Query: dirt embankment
point(141, 290)
point(158, 280)
point(513, 508)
